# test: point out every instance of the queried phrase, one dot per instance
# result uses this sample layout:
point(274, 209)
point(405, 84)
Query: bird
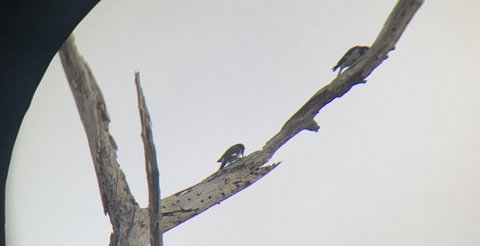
point(350, 58)
point(231, 154)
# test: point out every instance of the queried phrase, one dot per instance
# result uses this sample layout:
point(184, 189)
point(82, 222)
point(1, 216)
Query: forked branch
point(128, 220)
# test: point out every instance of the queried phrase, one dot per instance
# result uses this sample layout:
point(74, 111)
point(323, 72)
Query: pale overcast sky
point(396, 161)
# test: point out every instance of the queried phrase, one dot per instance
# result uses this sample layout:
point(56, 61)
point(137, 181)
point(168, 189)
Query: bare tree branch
point(186, 204)
point(303, 119)
point(219, 186)
point(129, 221)
point(154, 203)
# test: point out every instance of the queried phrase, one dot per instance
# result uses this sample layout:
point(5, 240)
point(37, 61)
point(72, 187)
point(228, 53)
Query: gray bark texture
point(153, 177)
point(131, 224)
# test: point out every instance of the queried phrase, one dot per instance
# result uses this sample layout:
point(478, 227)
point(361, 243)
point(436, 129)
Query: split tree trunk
point(131, 224)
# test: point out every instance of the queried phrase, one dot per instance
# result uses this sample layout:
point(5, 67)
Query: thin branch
point(303, 119)
point(154, 203)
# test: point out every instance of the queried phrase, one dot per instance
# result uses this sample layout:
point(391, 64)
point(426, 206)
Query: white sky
point(396, 161)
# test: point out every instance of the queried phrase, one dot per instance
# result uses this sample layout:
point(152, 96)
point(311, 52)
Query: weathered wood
point(117, 199)
point(184, 205)
point(392, 30)
point(130, 223)
point(219, 186)
point(154, 203)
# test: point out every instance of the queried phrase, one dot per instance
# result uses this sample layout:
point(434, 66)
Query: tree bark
point(130, 222)
point(31, 33)
point(154, 203)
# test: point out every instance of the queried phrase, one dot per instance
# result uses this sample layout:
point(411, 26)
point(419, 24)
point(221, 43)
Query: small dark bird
point(231, 155)
point(350, 58)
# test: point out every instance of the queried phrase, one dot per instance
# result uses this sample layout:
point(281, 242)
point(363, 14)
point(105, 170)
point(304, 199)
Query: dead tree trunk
point(131, 224)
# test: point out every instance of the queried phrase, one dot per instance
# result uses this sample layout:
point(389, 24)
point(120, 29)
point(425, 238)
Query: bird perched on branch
point(351, 58)
point(231, 154)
